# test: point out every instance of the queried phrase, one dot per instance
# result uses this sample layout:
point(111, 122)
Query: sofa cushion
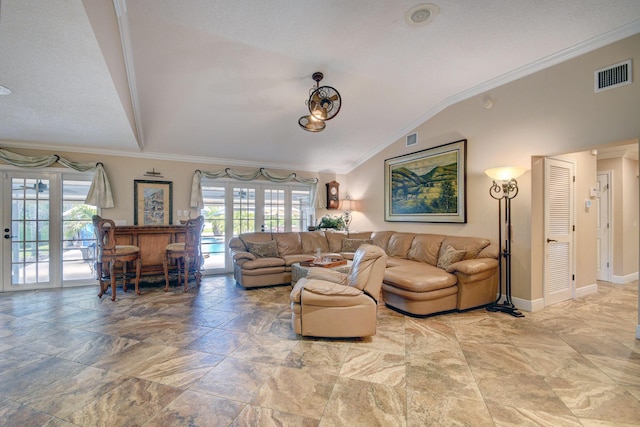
point(259, 263)
point(450, 256)
point(334, 238)
point(426, 248)
point(419, 277)
point(472, 245)
point(491, 251)
point(313, 240)
point(263, 250)
point(394, 262)
point(352, 245)
point(288, 243)
point(381, 238)
point(399, 244)
point(255, 238)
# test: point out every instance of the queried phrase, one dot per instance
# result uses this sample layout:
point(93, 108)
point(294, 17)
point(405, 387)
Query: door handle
point(551, 240)
point(6, 236)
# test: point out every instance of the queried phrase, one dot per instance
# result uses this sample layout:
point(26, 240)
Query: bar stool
point(187, 254)
point(109, 253)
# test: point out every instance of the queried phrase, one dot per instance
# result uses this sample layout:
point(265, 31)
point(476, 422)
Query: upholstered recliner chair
point(328, 303)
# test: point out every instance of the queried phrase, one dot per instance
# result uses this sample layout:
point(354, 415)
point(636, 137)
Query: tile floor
point(221, 355)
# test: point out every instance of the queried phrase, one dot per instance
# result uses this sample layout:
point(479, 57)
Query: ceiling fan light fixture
point(311, 124)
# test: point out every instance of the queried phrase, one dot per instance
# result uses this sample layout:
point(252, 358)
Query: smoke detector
point(421, 14)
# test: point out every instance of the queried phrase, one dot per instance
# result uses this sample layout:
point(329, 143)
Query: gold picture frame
point(428, 185)
point(153, 202)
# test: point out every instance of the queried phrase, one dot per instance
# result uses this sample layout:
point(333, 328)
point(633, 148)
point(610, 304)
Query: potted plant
point(330, 221)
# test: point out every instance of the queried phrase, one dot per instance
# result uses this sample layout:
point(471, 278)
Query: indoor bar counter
point(152, 241)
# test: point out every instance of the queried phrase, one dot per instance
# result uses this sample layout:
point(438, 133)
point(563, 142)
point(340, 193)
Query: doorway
point(603, 226)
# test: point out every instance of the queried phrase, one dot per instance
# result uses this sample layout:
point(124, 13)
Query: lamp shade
point(347, 205)
point(504, 173)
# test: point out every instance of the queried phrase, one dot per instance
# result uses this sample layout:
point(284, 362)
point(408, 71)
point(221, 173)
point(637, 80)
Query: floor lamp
point(505, 187)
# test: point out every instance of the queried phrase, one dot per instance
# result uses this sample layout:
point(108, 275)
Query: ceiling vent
point(412, 139)
point(613, 76)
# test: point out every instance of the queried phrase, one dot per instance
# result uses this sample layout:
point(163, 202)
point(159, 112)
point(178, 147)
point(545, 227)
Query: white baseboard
point(538, 304)
point(527, 305)
point(586, 290)
point(621, 280)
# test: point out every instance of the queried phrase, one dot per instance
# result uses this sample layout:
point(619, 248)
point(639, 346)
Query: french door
point(28, 245)
point(46, 242)
point(232, 208)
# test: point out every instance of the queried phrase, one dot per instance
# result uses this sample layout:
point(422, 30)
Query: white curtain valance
point(100, 191)
point(196, 182)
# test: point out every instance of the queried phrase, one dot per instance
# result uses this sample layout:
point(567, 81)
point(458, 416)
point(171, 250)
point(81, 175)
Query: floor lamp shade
point(504, 173)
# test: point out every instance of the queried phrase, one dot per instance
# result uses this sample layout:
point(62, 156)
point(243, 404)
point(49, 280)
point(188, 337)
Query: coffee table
point(299, 271)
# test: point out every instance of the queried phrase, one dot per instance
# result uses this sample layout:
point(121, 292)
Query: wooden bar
point(152, 241)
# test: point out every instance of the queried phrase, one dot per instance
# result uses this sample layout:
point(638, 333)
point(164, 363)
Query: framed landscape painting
point(153, 202)
point(428, 185)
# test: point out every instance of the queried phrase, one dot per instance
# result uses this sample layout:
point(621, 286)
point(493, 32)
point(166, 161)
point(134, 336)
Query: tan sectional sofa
point(425, 274)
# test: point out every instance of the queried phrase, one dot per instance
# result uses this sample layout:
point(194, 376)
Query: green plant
point(330, 221)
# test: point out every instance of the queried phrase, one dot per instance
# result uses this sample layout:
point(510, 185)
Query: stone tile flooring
point(222, 355)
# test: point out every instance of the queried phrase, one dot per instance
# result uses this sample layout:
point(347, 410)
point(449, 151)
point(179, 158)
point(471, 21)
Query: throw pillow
point(448, 256)
point(264, 250)
point(352, 245)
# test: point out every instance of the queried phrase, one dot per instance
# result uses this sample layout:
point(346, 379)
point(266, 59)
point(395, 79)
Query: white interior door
point(603, 228)
point(559, 228)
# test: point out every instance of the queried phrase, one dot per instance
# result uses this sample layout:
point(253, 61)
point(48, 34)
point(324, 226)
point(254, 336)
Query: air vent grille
point(613, 76)
point(412, 139)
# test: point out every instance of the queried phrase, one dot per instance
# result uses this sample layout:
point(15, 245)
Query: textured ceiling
point(225, 81)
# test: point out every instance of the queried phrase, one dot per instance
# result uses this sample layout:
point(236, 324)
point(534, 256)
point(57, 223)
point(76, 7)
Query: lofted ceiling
point(225, 81)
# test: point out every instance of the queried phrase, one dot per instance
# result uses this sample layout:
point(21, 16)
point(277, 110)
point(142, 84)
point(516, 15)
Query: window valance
point(196, 183)
point(100, 191)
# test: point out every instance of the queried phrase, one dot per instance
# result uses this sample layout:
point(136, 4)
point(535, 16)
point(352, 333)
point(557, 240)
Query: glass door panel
point(214, 239)
point(78, 240)
point(244, 210)
point(274, 210)
point(301, 214)
point(30, 252)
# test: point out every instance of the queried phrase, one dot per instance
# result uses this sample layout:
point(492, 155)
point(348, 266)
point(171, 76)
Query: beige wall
point(551, 112)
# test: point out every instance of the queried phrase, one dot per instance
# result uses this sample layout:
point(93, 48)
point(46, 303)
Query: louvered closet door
point(559, 189)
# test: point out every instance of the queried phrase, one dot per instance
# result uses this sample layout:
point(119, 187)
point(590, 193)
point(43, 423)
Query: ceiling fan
point(324, 104)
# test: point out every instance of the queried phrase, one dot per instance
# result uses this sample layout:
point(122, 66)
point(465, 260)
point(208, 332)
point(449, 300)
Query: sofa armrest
point(329, 275)
point(322, 287)
point(473, 266)
point(240, 255)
